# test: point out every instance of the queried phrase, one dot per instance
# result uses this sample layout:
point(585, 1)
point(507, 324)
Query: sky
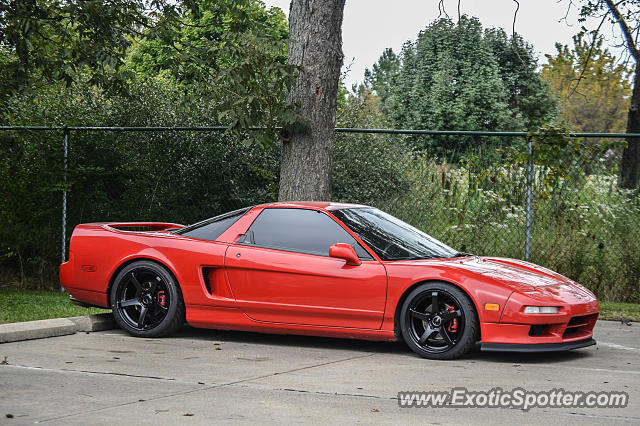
point(370, 26)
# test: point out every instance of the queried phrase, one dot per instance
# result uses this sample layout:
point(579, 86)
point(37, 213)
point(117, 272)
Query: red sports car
point(324, 269)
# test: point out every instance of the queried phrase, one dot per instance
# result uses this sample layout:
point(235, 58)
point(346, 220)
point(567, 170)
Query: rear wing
point(142, 226)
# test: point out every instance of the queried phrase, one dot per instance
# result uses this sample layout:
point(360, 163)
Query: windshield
point(391, 238)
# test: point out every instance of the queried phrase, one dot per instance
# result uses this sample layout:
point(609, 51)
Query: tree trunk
point(315, 30)
point(631, 155)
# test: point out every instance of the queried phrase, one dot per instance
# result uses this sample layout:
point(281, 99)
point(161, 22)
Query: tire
point(146, 300)
point(448, 333)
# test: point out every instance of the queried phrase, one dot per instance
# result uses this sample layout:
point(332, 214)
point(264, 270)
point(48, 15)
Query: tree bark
point(315, 30)
point(631, 154)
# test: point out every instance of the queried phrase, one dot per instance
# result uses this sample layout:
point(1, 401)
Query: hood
point(515, 274)
point(535, 281)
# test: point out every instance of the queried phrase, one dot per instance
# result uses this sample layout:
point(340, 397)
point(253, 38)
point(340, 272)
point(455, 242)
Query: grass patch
point(619, 311)
point(31, 305)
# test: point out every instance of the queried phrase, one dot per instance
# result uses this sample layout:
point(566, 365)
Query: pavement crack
point(355, 395)
point(106, 373)
point(123, 375)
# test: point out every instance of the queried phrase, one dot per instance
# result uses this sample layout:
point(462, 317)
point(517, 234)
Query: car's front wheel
point(146, 301)
point(438, 321)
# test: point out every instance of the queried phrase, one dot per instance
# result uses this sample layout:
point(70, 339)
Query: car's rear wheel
point(146, 300)
point(438, 321)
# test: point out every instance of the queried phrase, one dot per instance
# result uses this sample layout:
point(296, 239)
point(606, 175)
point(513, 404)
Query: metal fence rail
point(476, 205)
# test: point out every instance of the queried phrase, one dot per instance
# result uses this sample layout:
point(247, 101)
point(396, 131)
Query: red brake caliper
point(162, 299)
point(453, 325)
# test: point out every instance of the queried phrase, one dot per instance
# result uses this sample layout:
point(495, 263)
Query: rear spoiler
point(143, 226)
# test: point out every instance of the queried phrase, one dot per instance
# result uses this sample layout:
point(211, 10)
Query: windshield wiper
point(417, 258)
point(461, 254)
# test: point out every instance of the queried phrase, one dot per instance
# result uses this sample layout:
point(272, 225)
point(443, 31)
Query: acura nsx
point(323, 269)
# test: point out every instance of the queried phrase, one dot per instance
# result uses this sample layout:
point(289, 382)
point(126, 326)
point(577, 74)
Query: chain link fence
point(488, 193)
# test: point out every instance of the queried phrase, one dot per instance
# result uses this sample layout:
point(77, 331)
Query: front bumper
point(574, 322)
point(537, 347)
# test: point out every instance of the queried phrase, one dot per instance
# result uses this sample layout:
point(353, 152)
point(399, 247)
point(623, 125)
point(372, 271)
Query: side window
point(212, 230)
point(299, 230)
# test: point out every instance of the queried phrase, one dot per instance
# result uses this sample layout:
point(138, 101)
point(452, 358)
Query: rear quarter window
point(212, 229)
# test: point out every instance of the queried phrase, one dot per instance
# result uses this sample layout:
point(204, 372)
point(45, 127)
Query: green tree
point(595, 97)
point(457, 76)
point(229, 52)
point(381, 77)
point(49, 41)
point(188, 47)
point(232, 53)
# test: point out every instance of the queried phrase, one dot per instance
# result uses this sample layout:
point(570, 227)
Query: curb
point(18, 331)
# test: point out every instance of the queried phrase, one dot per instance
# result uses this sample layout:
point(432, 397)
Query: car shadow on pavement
point(366, 346)
point(292, 340)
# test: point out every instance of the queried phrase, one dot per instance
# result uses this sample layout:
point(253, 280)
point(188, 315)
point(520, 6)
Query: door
point(281, 272)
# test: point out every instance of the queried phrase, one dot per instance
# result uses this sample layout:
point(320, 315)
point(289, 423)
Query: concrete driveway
point(205, 376)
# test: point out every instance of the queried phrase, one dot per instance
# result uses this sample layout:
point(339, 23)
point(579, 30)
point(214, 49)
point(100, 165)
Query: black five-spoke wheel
point(146, 300)
point(439, 321)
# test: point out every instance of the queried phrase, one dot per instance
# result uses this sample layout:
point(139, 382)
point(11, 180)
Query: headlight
point(541, 309)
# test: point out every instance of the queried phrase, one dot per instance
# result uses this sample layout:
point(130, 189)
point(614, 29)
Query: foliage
point(205, 62)
point(593, 89)
point(51, 41)
point(174, 63)
point(624, 14)
point(556, 153)
point(368, 169)
point(583, 225)
point(168, 176)
point(624, 18)
point(381, 79)
point(459, 76)
point(180, 177)
point(230, 52)
point(197, 34)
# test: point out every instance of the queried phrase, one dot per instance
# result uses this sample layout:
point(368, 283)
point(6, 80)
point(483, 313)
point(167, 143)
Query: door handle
point(238, 255)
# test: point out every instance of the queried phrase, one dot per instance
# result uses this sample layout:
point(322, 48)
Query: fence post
point(65, 149)
point(527, 240)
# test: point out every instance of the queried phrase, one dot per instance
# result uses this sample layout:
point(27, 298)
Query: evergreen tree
point(459, 76)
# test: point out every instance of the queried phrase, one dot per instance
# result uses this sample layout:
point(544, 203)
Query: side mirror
point(346, 252)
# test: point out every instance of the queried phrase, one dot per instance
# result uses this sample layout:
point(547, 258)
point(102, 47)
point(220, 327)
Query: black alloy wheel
point(146, 301)
point(439, 321)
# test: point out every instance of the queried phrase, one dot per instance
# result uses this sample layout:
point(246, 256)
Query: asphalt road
point(205, 376)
